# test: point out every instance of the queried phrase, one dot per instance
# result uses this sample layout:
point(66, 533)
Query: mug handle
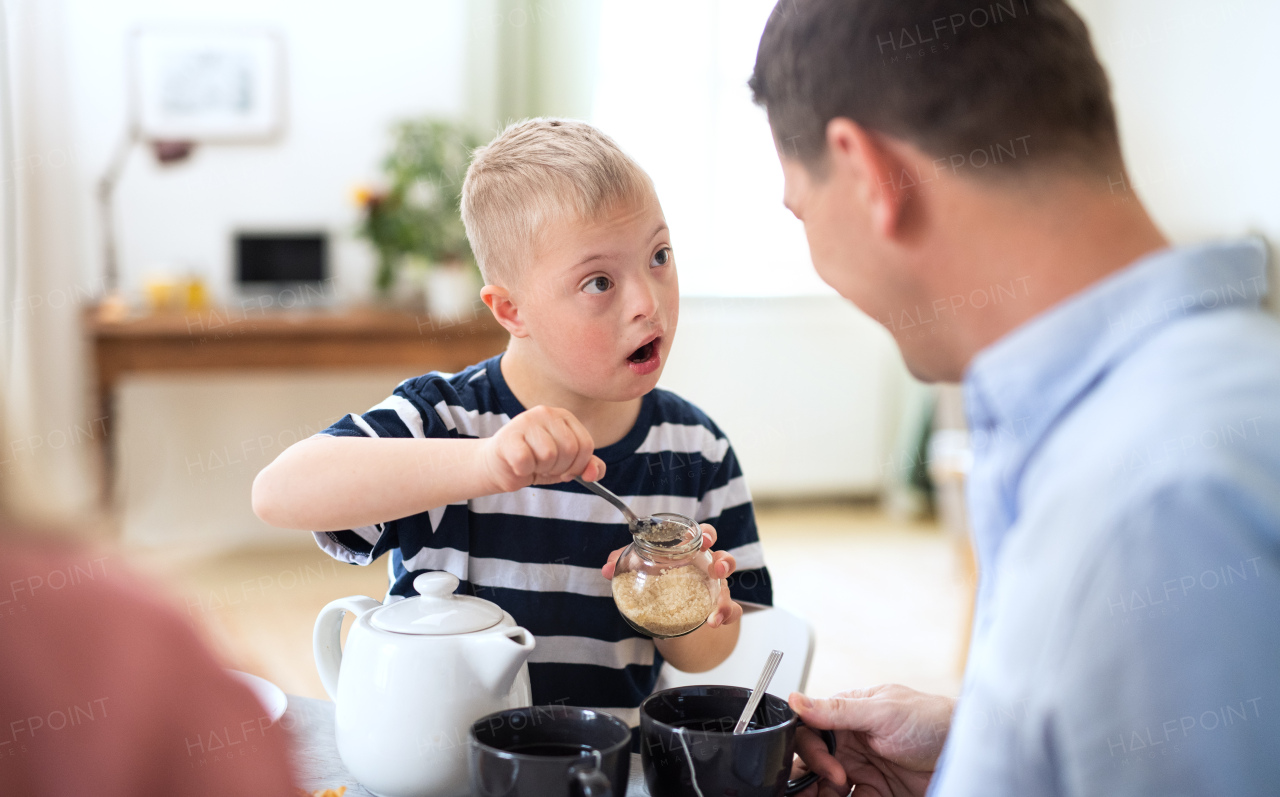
point(590, 781)
point(809, 778)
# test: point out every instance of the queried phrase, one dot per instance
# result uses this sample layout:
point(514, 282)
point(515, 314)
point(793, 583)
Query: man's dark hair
point(1006, 84)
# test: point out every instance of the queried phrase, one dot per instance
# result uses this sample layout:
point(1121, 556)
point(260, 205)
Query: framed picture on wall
point(207, 85)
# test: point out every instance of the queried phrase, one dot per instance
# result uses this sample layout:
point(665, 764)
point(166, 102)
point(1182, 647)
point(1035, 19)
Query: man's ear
point(504, 309)
point(875, 167)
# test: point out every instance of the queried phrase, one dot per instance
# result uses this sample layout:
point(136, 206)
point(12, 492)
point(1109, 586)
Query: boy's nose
point(644, 299)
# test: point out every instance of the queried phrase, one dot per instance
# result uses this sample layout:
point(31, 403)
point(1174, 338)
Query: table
point(250, 337)
point(316, 753)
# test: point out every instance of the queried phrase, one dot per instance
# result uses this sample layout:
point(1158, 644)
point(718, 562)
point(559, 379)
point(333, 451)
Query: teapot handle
point(326, 641)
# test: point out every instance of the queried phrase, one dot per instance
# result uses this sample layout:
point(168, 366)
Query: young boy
point(467, 472)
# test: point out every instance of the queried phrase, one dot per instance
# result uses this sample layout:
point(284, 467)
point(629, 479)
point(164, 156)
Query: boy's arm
point(331, 483)
point(704, 649)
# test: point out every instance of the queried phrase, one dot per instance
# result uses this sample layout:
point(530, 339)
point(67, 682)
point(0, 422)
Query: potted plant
point(417, 218)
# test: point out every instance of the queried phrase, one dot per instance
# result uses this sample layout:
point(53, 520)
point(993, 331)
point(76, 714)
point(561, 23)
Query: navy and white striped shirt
point(537, 552)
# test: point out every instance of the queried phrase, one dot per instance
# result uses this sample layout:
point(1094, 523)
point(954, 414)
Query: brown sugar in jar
point(661, 584)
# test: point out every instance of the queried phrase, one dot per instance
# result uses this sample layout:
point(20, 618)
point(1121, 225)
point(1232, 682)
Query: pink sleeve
point(104, 692)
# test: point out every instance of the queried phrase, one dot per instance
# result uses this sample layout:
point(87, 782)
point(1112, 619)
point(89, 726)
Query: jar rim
point(691, 544)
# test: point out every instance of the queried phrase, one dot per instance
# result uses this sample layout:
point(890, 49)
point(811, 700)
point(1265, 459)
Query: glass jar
point(661, 583)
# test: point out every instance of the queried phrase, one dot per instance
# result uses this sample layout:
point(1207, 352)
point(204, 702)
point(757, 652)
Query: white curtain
point(48, 462)
point(531, 59)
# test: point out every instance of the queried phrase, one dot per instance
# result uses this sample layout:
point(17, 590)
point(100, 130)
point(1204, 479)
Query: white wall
point(189, 447)
point(352, 70)
point(807, 388)
point(1197, 88)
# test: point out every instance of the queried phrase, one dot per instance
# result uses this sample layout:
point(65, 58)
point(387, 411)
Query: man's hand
point(722, 566)
point(888, 739)
point(542, 445)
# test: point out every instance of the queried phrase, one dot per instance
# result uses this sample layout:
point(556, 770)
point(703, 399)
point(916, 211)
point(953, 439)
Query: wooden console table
point(236, 339)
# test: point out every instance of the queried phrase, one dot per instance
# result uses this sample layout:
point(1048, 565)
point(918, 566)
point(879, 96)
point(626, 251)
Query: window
point(672, 90)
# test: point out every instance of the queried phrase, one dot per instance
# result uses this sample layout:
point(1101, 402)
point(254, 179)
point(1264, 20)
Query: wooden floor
point(888, 600)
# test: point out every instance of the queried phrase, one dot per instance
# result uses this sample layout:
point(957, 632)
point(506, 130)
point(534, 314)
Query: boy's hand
point(722, 566)
point(542, 445)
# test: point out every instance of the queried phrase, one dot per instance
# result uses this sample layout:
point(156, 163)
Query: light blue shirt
point(1125, 499)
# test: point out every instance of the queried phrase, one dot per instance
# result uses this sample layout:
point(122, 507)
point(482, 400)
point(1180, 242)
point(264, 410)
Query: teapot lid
point(436, 610)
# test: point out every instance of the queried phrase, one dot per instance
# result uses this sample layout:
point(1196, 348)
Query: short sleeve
point(1167, 683)
point(724, 501)
point(417, 408)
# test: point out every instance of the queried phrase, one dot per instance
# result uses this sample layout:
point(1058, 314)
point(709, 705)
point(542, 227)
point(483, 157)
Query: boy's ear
point(504, 309)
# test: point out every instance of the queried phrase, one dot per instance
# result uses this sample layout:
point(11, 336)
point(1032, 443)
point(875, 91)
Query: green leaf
point(421, 213)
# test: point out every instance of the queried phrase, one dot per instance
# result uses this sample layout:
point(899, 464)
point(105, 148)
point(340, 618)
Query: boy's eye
point(661, 257)
point(598, 285)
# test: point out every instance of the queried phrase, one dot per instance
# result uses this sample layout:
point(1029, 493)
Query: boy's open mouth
point(644, 352)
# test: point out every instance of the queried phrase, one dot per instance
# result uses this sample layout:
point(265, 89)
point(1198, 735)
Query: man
point(958, 172)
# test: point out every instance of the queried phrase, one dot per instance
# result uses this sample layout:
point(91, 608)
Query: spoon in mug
point(770, 667)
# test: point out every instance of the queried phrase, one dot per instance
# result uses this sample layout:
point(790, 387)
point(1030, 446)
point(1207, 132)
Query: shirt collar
point(1024, 380)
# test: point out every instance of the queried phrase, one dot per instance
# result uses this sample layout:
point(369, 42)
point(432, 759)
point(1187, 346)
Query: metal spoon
point(634, 521)
point(770, 667)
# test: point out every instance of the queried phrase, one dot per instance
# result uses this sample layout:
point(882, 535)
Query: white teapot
point(414, 676)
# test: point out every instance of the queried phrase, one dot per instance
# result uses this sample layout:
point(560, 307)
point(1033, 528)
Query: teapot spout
point(499, 657)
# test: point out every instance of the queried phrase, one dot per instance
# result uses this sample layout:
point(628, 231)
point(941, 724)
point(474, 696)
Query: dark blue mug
point(688, 747)
point(549, 751)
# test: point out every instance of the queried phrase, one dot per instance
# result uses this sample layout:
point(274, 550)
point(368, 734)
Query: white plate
point(269, 695)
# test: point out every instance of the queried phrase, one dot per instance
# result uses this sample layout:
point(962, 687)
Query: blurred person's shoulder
point(105, 673)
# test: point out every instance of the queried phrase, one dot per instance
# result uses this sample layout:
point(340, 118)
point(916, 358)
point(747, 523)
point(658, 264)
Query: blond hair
point(533, 173)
